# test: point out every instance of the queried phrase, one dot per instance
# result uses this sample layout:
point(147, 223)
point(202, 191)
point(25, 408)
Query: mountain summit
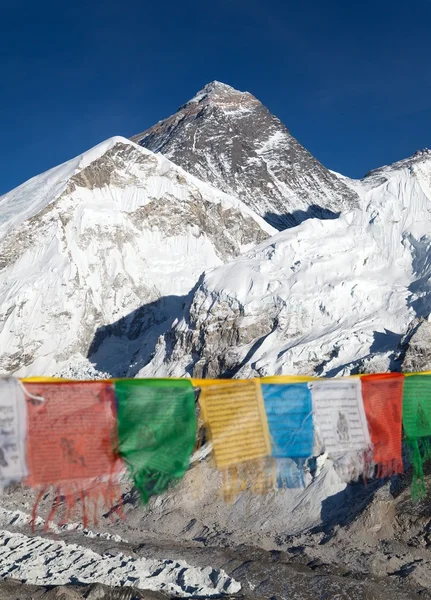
point(222, 94)
point(231, 140)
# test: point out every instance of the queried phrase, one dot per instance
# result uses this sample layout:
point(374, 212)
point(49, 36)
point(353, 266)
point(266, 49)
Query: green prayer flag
point(156, 430)
point(417, 426)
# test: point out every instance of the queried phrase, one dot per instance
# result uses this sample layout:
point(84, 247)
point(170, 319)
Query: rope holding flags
point(77, 441)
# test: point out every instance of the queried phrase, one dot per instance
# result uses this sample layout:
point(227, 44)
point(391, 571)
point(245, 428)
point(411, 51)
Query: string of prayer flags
point(13, 432)
point(341, 424)
point(235, 416)
point(417, 426)
point(383, 396)
point(73, 439)
point(289, 413)
point(156, 431)
point(72, 447)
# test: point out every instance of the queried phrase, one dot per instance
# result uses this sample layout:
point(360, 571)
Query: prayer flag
point(72, 445)
point(236, 419)
point(289, 413)
point(156, 430)
point(340, 424)
point(13, 432)
point(383, 394)
point(417, 426)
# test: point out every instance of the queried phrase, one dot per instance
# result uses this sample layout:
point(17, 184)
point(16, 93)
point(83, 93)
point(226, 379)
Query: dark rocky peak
point(215, 96)
point(421, 153)
point(218, 94)
point(232, 141)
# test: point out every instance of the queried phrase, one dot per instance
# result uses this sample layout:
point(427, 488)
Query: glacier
point(328, 297)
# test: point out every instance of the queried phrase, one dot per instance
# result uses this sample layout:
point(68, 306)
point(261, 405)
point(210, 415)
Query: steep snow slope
point(231, 140)
point(326, 297)
point(88, 242)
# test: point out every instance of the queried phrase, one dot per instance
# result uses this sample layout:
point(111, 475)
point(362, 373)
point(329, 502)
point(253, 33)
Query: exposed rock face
point(418, 353)
point(231, 140)
point(13, 589)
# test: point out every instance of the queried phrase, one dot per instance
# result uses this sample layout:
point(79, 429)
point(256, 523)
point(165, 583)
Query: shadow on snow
point(297, 217)
point(123, 348)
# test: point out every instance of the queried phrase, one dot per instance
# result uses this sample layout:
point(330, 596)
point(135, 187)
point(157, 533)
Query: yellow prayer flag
point(235, 415)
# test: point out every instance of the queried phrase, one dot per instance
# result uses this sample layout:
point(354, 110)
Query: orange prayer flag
point(382, 395)
point(72, 445)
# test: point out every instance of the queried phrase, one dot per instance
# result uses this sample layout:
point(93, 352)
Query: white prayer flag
point(13, 432)
point(339, 415)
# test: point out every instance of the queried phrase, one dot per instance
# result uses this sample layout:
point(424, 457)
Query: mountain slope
point(88, 242)
point(327, 297)
point(231, 140)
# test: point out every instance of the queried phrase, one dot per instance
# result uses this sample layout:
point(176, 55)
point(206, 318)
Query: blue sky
point(352, 81)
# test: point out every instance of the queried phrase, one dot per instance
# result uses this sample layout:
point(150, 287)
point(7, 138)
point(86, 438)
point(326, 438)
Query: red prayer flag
point(382, 395)
point(72, 445)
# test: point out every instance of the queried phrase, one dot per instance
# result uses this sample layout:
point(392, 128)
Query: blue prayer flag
point(289, 413)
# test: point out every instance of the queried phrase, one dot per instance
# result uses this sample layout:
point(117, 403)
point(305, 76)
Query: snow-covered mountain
point(327, 297)
point(116, 230)
point(124, 258)
point(231, 140)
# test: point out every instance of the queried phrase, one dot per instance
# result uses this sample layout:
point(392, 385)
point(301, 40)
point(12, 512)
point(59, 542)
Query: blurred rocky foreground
point(15, 590)
point(370, 542)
